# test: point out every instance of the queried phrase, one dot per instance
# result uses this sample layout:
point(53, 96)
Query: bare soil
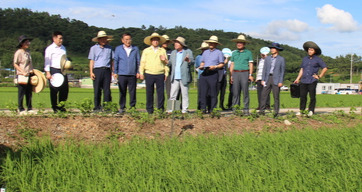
point(17, 130)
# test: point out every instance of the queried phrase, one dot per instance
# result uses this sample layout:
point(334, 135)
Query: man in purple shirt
point(100, 68)
point(126, 64)
point(308, 76)
point(212, 61)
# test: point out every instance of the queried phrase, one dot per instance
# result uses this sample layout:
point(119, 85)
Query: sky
point(334, 25)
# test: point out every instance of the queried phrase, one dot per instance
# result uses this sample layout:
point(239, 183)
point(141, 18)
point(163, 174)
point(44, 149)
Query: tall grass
point(9, 95)
point(296, 160)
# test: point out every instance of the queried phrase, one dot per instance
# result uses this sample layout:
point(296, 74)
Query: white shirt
point(128, 49)
point(260, 69)
point(53, 54)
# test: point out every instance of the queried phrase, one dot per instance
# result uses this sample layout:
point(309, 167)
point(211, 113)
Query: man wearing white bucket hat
point(52, 66)
point(154, 70)
point(212, 61)
point(100, 68)
point(264, 51)
point(241, 71)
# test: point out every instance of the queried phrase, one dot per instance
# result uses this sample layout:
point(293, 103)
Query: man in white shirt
point(263, 54)
point(53, 54)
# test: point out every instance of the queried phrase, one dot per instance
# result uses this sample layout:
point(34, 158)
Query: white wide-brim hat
point(100, 35)
point(213, 39)
point(57, 79)
point(147, 39)
point(38, 81)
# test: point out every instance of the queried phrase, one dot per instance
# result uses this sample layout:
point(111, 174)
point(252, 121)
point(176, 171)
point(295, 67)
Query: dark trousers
point(102, 82)
point(27, 91)
point(208, 84)
point(159, 81)
point(259, 88)
point(125, 81)
point(58, 94)
point(221, 88)
point(230, 99)
point(266, 93)
point(304, 90)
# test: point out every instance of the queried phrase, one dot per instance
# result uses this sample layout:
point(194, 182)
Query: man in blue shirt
point(180, 77)
point(204, 46)
point(100, 67)
point(308, 76)
point(126, 64)
point(212, 61)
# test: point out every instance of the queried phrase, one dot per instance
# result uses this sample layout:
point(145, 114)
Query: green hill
point(78, 35)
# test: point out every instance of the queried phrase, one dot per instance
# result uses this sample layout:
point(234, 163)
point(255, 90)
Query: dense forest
point(78, 35)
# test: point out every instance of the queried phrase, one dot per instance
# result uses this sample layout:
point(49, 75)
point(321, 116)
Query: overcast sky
point(334, 25)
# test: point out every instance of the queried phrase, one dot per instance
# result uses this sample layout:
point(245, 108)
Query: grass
point(8, 97)
point(295, 160)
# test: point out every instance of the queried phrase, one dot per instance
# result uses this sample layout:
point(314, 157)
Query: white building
point(329, 88)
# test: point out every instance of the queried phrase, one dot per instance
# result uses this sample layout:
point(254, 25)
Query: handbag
point(295, 90)
point(23, 80)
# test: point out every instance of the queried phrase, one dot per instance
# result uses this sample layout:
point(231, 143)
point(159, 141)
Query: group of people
point(162, 68)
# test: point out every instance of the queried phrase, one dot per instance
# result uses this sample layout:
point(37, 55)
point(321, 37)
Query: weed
point(110, 107)
point(13, 107)
point(216, 113)
point(85, 106)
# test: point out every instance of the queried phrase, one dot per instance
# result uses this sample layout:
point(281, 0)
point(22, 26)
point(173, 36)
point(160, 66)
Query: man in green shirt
point(241, 70)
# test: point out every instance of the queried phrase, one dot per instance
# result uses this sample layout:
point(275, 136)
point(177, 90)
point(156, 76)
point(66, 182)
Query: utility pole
point(350, 73)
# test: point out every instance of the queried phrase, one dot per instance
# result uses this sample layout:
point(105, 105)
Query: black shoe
point(261, 112)
point(121, 111)
point(275, 115)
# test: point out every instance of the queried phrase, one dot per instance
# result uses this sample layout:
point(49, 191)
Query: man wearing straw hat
point(126, 65)
point(204, 46)
point(212, 61)
point(100, 69)
point(272, 78)
point(168, 52)
point(154, 70)
point(241, 72)
point(180, 60)
point(52, 65)
point(308, 76)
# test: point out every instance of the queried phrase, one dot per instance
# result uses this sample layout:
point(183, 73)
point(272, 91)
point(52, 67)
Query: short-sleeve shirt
point(102, 57)
point(23, 59)
point(310, 67)
point(211, 58)
point(241, 59)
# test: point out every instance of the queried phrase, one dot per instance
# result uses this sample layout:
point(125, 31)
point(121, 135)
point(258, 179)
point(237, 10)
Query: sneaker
point(310, 113)
point(298, 114)
point(31, 112)
point(22, 113)
point(184, 111)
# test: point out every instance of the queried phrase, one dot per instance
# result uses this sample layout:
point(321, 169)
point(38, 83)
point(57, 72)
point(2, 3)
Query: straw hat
point(311, 44)
point(203, 46)
point(240, 39)
point(181, 40)
point(65, 64)
point(21, 39)
point(102, 34)
point(167, 38)
point(147, 39)
point(37, 81)
point(213, 39)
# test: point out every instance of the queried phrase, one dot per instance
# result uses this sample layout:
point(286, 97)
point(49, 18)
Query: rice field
point(295, 160)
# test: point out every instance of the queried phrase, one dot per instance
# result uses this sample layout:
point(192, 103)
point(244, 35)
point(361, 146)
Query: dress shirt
point(127, 49)
point(102, 56)
point(273, 59)
point(178, 64)
point(211, 58)
point(260, 69)
point(53, 54)
point(310, 67)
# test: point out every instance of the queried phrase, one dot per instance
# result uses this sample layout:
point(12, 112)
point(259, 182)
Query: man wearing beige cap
point(100, 68)
point(168, 52)
point(241, 71)
point(212, 61)
point(180, 61)
point(154, 70)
